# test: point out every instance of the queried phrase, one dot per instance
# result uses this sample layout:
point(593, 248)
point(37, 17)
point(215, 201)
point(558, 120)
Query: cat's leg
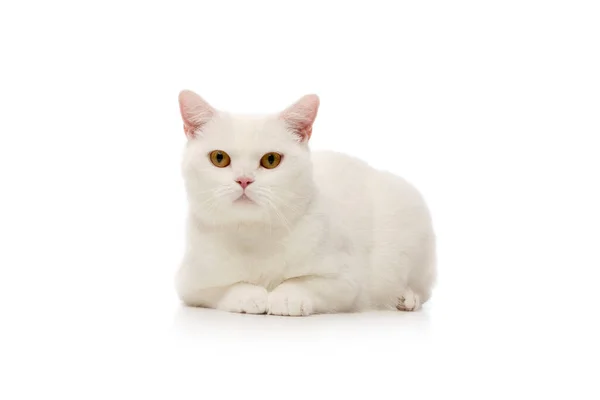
point(402, 276)
point(390, 288)
point(313, 295)
point(194, 291)
point(416, 285)
point(244, 298)
point(238, 298)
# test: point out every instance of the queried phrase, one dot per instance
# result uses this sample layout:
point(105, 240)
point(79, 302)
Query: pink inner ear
point(301, 116)
point(195, 112)
point(305, 132)
point(189, 130)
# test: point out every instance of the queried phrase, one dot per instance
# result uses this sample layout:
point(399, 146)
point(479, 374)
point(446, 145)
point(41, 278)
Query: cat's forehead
point(247, 133)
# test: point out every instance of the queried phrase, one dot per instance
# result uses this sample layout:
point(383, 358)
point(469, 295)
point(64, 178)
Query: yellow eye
point(270, 160)
point(220, 159)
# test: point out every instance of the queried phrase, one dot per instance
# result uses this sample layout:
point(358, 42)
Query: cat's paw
point(290, 300)
point(244, 298)
point(409, 301)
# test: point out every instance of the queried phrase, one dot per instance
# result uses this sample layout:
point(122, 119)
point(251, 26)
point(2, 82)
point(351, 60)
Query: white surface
point(491, 110)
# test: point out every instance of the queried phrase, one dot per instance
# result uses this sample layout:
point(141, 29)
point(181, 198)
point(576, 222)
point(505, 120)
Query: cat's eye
point(270, 160)
point(219, 158)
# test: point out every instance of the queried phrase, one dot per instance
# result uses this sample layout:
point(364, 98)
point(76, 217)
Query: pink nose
point(244, 182)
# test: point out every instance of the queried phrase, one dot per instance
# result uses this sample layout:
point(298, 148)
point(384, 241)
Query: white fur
point(328, 233)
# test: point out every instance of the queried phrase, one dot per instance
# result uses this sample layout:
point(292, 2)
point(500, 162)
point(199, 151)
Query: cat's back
point(343, 180)
point(343, 177)
point(360, 194)
point(334, 170)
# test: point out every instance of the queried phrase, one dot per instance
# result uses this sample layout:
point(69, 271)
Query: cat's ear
point(195, 112)
point(301, 115)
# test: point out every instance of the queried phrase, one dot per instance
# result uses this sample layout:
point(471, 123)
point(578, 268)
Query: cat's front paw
point(291, 300)
point(244, 298)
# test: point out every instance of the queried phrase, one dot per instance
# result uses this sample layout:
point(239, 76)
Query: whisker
point(282, 217)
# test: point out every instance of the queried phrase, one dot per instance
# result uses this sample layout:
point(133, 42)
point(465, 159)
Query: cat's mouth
point(244, 199)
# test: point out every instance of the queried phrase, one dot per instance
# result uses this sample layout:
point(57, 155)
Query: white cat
point(273, 229)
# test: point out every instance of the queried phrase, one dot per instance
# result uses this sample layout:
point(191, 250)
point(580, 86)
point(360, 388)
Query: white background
point(490, 108)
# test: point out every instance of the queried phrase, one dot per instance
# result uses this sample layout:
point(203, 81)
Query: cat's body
point(327, 234)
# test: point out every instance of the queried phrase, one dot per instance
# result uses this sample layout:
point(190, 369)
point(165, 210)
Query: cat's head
point(247, 169)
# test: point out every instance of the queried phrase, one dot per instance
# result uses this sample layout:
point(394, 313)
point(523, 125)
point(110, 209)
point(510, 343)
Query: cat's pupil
point(271, 158)
point(219, 157)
